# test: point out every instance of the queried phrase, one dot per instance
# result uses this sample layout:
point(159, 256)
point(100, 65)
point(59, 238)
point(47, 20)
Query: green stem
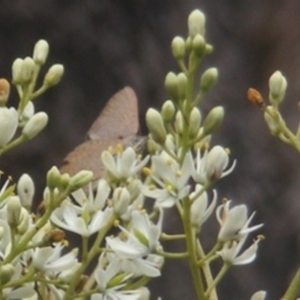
point(217, 279)
point(294, 288)
point(173, 255)
point(191, 250)
point(207, 272)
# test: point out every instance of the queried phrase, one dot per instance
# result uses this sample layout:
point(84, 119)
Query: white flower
point(234, 222)
point(49, 259)
point(199, 210)
point(134, 252)
point(121, 200)
point(260, 295)
point(104, 274)
point(212, 165)
point(230, 252)
point(70, 218)
point(8, 124)
point(172, 177)
point(93, 201)
point(124, 165)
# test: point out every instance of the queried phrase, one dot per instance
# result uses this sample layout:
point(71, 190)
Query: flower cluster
point(121, 236)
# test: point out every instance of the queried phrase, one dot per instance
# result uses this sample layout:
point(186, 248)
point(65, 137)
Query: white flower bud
point(53, 178)
point(40, 52)
point(24, 221)
point(216, 162)
point(178, 47)
point(28, 111)
point(80, 179)
point(27, 69)
point(26, 190)
point(182, 83)
point(121, 200)
point(4, 91)
point(168, 111)
point(199, 45)
point(6, 273)
point(54, 75)
point(272, 125)
point(195, 121)
point(65, 181)
point(156, 126)
point(208, 49)
point(196, 23)
point(171, 85)
point(179, 122)
point(277, 86)
point(213, 120)
point(35, 125)
point(260, 295)
point(208, 79)
point(8, 124)
point(17, 71)
point(13, 210)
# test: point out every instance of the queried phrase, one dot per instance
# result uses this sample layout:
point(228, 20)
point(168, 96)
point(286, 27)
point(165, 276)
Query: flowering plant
point(180, 170)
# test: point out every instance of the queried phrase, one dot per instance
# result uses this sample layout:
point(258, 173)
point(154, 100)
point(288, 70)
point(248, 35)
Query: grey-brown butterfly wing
point(116, 124)
point(119, 118)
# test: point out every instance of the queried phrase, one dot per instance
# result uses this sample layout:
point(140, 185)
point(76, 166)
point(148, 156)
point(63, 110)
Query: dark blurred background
point(105, 45)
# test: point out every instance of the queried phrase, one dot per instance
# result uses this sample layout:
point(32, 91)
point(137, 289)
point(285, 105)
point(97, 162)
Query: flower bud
point(64, 181)
point(179, 122)
point(40, 52)
point(13, 210)
point(156, 126)
point(6, 273)
point(24, 221)
point(198, 45)
point(196, 23)
point(213, 120)
point(4, 91)
point(121, 200)
point(182, 83)
point(8, 124)
point(216, 162)
point(28, 111)
point(277, 86)
point(171, 85)
point(81, 179)
point(25, 190)
point(17, 71)
point(272, 125)
point(188, 44)
point(53, 178)
point(208, 49)
point(168, 111)
point(178, 47)
point(260, 295)
point(35, 125)
point(198, 209)
point(208, 79)
point(194, 122)
point(27, 69)
point(152, 147)
point(54, 75)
